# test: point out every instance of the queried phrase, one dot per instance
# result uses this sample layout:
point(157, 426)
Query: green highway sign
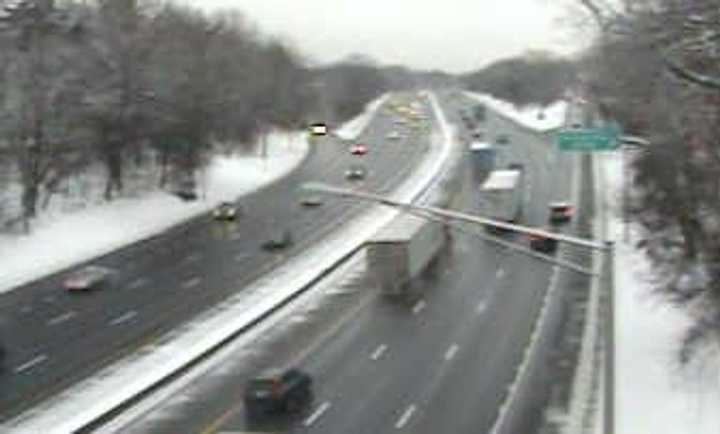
point(601, 139)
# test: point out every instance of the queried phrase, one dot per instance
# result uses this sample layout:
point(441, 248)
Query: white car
point(394, 135)
point(225, 211)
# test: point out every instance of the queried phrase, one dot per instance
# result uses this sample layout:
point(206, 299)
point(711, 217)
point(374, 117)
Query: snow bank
point(554, 114)
point(60, 240)
point(352, 128)
point(651, 395)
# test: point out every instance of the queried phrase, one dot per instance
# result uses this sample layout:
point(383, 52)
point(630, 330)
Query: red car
point(358, 149)
point(560, 212)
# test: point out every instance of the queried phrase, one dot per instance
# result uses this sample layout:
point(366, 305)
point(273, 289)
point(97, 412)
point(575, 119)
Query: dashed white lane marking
point(379, 351)
point(192, 282)
point(481, 307)
point(137, 283)
point(405, 418)
point(450, 353)
point(317, 414)
point(29, 364)
point(62, 318)
point(241, 257)
point(419, 306)
point(124, 318)
point(500, 273)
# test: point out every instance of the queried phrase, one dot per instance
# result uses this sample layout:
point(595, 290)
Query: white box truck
point(402, 250)
point(501, 195)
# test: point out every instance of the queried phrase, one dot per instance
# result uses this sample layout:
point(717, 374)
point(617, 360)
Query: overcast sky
point(452, 35)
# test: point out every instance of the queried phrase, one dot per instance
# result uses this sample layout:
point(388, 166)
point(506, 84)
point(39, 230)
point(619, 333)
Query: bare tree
point(44, 90)
point(656, 68)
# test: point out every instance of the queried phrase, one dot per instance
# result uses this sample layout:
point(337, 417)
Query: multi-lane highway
point(439, 360)
point(55, 338)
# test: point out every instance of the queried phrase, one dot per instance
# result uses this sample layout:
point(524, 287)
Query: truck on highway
point(482, 159)
point(402, 250)
point(501, 195)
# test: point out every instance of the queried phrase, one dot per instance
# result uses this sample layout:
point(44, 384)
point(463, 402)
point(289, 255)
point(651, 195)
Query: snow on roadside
point(651, 395)
point(59, 241)
point(352, 128)
point(554, 114)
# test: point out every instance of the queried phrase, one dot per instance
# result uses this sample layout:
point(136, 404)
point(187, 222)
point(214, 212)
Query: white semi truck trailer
point(501, 195)
point(402, 250)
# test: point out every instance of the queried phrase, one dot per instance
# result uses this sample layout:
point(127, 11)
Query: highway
point(55, 338)
point(438, 361)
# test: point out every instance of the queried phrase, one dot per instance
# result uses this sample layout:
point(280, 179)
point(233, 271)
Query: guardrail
point(597, 340)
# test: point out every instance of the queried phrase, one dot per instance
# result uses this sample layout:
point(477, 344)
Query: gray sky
point(453, 35)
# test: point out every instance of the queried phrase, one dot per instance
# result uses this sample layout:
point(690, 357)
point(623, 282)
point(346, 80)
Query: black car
point(543, 244)
point(186, 195)
point(355, 173)
point(277, 393)
point(278, 241)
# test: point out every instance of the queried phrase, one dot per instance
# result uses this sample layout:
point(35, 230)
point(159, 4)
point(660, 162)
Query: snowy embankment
point(652, 396)
point(89, 399)
point(59, 240)
point(534, 117)
point(352, 128)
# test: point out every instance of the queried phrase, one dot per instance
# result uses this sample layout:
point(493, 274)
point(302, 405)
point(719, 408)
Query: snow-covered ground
point(653, 396)
point(61, 239)
point(352, 128)
point(553, 116)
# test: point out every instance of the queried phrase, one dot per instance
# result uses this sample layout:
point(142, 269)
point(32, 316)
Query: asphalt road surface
point(54, 338)
point(437, 361)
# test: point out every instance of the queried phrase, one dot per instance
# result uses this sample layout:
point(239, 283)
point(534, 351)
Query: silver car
point(89, 278)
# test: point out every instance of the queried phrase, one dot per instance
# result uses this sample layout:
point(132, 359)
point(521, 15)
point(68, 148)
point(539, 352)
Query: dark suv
point(273, 393)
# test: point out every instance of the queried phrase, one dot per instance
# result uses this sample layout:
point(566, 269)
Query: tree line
point(655, 67)
point(115, 81)
point(535, 78)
